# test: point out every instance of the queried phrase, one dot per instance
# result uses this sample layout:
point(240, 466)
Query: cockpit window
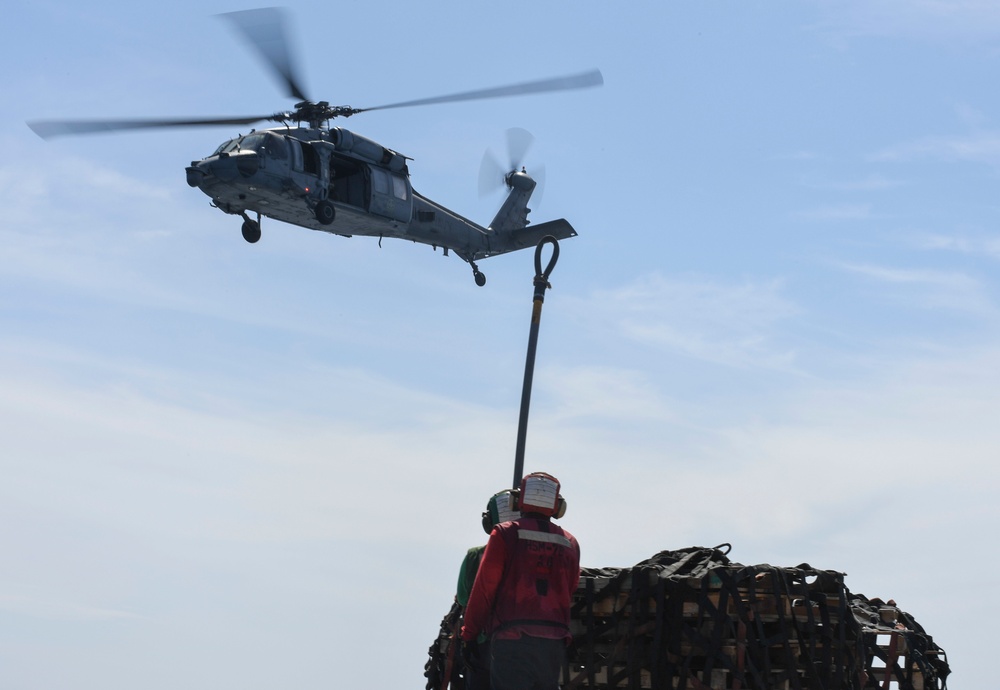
point(276, 146)
point(225, 147)
point(264, 142)
point(252, 142)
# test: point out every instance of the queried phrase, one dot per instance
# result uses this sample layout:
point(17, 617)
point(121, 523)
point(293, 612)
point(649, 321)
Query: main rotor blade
point(264, 29)
point(48, 129)
point(574, 81)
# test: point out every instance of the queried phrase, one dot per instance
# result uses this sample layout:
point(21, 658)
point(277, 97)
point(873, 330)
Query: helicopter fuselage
point(343, 183)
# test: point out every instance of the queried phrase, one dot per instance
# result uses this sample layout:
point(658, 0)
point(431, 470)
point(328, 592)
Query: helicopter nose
point(222, 169)
point(195, 174)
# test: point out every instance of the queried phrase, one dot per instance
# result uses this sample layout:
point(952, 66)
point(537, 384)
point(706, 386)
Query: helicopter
point(308, 173)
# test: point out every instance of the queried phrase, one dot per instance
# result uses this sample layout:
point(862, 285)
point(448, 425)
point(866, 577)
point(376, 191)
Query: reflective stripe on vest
point(547, 537)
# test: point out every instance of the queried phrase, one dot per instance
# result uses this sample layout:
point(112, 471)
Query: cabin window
point(390, 195)
point(380, 181)
point(384, 182)
point(399, 187)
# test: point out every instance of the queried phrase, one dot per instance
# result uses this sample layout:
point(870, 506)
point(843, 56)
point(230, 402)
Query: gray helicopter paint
point(265, 173)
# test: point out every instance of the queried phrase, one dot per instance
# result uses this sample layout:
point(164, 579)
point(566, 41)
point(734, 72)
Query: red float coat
point(525, 583)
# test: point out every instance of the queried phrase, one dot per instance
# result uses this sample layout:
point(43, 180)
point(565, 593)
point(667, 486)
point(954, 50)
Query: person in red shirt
point(522, 593)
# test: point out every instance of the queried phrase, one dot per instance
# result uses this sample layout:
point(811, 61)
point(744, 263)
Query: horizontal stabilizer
point(533, 234)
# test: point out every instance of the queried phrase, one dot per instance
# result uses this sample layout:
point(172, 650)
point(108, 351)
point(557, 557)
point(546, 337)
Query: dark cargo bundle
point(692, 619)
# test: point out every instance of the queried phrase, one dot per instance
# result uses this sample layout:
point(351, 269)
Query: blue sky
point(245, 466)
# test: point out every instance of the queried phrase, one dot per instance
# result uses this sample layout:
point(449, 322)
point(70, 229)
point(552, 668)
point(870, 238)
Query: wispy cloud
point(609, 394)
point(913, 276)
point(722, 322)
point(932, 289)
point(870, 183)
point(980, 147)
point(35, 604)
point(976, 246)
point(824, 459)
point(800, 155)
point(836, 212)
point(915, 19)
point(58, 186)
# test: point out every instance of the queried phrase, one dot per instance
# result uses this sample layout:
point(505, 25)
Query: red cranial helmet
point(540, 494)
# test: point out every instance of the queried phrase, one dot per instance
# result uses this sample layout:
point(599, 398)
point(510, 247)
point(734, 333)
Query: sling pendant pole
point(541, 283)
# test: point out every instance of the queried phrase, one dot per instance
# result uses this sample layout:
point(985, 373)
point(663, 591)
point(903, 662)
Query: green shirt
point(467, 575)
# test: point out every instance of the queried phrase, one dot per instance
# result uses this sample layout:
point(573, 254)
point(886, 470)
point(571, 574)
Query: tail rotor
point(493, 175)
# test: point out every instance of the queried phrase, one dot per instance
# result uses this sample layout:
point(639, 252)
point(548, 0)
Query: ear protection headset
point(500, 508)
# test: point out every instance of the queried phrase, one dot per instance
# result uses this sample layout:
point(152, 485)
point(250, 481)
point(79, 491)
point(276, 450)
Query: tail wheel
point(325, 212)
point(251, 231)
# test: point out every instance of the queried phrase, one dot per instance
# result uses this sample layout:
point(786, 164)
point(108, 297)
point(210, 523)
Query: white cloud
point(948, 291)
point(800, 155)
point(971, 116)
point(979, 147)
point(609, 394)
point(726, 323)
point(870, 183)
point(244, 468)
point(934, 20)
point(247, 507)
point(830, 461)
point(975, 246)
point(838, 212)
point(35, 603)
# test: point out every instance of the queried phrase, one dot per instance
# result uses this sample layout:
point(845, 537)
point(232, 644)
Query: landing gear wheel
point(325, 212)
point(477, 274)
point(251, 230)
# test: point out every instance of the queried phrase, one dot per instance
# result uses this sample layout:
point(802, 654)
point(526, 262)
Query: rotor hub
point(314, 114)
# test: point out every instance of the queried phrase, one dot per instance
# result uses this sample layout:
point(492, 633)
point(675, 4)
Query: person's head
point(500, 508)
point(539, 493)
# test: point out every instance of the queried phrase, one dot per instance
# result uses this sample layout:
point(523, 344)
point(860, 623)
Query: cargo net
point(692, 619)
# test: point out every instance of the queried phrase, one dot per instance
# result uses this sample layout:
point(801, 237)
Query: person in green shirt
point(499, 509)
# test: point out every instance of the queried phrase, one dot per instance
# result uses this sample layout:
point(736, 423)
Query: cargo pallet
point(694, 620)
